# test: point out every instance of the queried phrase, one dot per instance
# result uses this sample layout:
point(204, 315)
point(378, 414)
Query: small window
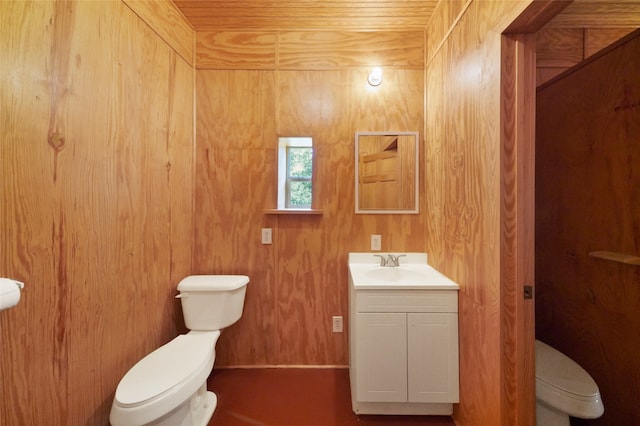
point(295, 173)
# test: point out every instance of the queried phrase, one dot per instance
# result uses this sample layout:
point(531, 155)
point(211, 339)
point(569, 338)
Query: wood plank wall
point(96, 147)
point(587, 199)
point(97, 215)
point(559, 49)
point(465, 166)
point(251, 88)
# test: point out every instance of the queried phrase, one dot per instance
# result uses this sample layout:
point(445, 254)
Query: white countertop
point(413, 273)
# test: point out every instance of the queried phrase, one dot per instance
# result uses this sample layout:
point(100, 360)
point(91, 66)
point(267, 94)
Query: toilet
point(168, 387)
point(563, 389)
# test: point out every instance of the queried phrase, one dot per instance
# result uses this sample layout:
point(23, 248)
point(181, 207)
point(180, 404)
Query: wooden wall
point(469, 206)
point(97, 177)
point(587, 199)
point(559, 49)
point(96, 183)
point(583, 28)
point(251, 88)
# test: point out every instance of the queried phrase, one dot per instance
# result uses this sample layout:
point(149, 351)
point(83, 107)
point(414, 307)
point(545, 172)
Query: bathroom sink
point(397, 274)
point(413, 273)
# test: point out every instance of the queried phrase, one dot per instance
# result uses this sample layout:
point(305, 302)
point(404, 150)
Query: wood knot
point(56, 140)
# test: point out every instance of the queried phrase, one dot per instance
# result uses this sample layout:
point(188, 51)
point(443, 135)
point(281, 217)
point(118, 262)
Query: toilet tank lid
point(213, 282)
point(558, 370)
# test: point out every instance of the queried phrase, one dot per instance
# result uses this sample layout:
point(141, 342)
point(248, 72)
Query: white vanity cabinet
point(403, 350)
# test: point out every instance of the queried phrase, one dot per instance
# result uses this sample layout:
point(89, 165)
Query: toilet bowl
point(563, 389)
point(168, 386)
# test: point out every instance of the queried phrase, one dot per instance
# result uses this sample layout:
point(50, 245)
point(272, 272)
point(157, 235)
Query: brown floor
point(295, 397)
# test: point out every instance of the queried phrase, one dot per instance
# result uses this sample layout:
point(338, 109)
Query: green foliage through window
point(299, 173)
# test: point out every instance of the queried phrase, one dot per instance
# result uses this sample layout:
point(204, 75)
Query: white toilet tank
point(212, 302)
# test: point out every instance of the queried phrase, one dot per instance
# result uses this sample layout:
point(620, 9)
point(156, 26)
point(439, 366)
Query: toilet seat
point(564, 385)
point(165, 378)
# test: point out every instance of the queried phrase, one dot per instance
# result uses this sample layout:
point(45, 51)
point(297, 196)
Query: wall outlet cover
point(337, 324)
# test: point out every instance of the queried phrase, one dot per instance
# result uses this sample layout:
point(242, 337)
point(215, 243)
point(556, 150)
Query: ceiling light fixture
point(375, 77)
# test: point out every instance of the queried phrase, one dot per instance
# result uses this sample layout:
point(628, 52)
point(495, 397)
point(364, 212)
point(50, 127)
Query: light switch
point(266, 236)
point(376, 242)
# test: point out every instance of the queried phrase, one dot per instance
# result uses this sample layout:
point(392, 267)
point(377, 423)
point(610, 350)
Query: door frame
point(517, 210)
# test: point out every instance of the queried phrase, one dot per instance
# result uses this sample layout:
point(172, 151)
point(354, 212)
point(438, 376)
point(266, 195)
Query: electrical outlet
point(376, 242)
point(266, 236)
point(337, 324)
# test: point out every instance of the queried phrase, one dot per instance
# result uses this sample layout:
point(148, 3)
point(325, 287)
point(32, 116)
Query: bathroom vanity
point(403, 336)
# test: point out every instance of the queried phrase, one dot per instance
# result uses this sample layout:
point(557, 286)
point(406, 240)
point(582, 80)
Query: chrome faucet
point(391, 260)
point(383, 261)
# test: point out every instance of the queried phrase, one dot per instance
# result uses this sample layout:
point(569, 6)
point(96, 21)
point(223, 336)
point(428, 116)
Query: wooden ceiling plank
point(207, 24)
point(375, 14)
point(306, 14)
point(271, 3)
point(583, 14)
point(310, 11)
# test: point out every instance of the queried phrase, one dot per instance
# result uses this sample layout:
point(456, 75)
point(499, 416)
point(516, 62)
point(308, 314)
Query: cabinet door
point(381, 357)
point(433, 357)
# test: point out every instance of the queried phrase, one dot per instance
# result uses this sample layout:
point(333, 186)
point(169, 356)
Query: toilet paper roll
point(9, 293)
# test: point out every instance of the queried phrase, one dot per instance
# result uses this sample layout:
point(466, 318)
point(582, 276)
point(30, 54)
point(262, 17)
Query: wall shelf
point(293, 211)
point(616, 257)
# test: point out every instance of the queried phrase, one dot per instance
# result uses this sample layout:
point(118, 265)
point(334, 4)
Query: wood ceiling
point(212, 15)
point(220, 15)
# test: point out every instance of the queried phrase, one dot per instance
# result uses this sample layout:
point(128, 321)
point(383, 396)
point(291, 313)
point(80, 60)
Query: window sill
point(293, 211)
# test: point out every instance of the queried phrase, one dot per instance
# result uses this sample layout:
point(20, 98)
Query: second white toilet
point(563, 389)
point(168, 387)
